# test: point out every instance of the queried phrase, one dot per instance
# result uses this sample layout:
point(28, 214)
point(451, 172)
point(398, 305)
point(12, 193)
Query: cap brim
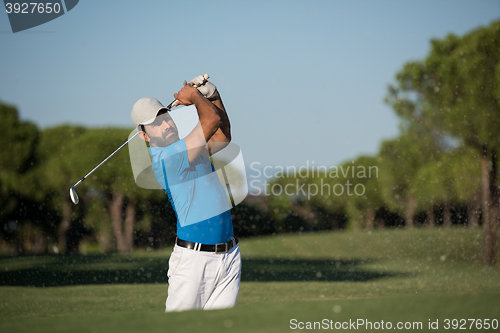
point(147, 122)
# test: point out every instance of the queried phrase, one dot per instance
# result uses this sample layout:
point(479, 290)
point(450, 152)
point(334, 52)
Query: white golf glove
point(205, 87)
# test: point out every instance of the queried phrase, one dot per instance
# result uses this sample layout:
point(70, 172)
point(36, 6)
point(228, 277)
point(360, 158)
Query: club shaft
point(107, 158)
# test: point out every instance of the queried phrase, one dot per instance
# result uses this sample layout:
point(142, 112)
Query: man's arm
point(209, 120)
point(222, 136)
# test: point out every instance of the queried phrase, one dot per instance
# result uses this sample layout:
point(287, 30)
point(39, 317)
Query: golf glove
point(205, 87)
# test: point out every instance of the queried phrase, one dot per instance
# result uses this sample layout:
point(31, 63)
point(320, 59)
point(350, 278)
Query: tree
point(54, 173)
point(465, 171)
point(362, 204)
point(401, 159)
point(435, 184)
point(18, 144)
point(113, 182)
point(456, 91)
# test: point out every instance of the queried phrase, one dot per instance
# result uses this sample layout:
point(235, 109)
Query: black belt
point(217, 248)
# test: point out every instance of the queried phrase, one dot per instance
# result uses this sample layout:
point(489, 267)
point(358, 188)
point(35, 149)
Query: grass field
point(407, 276)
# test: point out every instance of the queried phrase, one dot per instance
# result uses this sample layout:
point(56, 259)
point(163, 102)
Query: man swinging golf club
point(205, 265)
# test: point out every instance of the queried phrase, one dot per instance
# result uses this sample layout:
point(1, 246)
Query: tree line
point(441, 169)
point(443, 166)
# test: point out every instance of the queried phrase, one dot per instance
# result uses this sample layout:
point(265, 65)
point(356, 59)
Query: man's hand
point(205, 87)
point(199, 80)
point(187, 95)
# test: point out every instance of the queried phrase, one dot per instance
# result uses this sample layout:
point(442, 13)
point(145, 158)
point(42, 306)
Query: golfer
point(205, 266)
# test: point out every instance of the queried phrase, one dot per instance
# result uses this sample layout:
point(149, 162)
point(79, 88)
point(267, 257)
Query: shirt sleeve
point(175, 161)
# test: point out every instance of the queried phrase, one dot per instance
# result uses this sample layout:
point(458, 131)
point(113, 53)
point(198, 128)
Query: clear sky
point(301, 80)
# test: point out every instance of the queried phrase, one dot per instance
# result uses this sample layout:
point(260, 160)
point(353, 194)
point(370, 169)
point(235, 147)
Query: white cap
point(145, 110)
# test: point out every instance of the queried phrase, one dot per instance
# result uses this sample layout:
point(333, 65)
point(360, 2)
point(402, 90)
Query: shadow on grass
point(53, 271)
point(265, 270)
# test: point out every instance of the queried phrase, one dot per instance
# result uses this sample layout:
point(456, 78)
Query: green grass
point(390, 275)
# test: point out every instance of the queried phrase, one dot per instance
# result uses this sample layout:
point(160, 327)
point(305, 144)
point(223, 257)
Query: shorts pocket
point(173, 262)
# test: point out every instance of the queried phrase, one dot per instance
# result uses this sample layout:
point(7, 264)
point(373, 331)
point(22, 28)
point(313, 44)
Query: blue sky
point(302, 81)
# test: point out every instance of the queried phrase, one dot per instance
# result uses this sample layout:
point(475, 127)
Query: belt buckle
point(217, 246)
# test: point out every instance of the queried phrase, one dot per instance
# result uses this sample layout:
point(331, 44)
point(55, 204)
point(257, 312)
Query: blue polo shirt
point(200, 202)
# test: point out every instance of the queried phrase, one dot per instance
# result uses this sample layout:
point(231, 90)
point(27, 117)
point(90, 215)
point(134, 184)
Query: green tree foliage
point(17, 194)
point(113, 182)
point(362, 206)
point(434, 185)
point(400, 160)
point(52, 176)
point(455, 92)
point(283, 207)
point(18, 145)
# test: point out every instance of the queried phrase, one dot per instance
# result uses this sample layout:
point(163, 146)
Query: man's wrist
point(215, 96)
point(198, 98)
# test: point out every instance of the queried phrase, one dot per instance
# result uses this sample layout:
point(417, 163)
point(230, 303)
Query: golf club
point(72, 191)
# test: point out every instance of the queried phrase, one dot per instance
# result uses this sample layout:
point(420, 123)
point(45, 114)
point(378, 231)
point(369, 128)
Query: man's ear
point(143, 136)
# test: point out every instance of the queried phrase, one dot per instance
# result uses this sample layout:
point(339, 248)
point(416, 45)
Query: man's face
point(162, 132)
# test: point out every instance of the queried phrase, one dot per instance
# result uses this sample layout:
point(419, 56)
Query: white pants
point(203, 280)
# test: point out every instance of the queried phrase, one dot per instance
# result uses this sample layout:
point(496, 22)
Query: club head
point(73, 195)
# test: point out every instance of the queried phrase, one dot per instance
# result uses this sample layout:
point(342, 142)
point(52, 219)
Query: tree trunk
point(155, 231)
point(431, 217)
point(447, 214)
point(105, 241)
point(64, 226)
point(473, 210)
point(115, 209)
point(306, 214)
point(370, 218)
point(129, 225)
point(490, 206)
point(491, 244)
point(40, 243)
point(411, 206)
